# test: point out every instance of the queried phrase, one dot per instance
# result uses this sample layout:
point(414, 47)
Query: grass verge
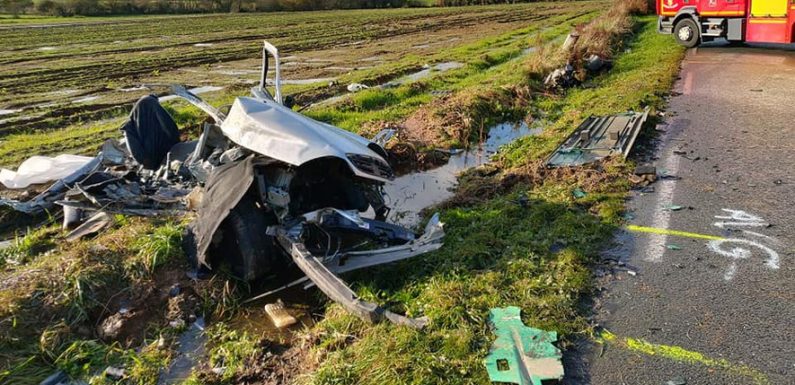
point(518, 237)
point(499, 253)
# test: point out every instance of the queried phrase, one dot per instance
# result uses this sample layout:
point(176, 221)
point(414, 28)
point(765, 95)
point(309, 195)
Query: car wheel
point(687, 33)
point(251, 253)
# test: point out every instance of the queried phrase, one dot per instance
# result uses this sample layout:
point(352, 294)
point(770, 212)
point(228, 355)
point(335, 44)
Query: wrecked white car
point(271, 188)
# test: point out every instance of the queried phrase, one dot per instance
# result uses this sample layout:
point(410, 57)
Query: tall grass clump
point(158, 248)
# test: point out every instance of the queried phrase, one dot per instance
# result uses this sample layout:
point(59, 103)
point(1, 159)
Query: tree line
point(129, 7)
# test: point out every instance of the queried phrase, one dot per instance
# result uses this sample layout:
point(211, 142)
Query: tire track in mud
point(71, 114)
point(166, 60)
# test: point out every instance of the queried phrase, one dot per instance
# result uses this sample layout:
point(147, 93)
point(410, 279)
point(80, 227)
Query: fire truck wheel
point(687, 33)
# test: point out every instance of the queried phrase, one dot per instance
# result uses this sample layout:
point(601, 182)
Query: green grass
point(104, 64)
point(498, 253)
point(46, 302)
point(490, 64)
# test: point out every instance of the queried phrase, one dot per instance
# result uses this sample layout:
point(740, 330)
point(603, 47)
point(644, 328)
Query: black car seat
point(150, 132)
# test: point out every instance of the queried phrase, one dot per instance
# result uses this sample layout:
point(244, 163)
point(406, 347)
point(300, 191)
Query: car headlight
point(372, 166)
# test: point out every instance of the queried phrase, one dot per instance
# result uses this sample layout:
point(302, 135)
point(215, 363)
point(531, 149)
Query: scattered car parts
point(599, 137)
point(520, 354)
point(272, 188)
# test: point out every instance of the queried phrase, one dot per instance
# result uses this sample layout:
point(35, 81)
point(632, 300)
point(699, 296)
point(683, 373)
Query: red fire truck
point(695, 21)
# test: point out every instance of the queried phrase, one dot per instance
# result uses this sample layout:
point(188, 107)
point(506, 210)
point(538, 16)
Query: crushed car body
point(271, 189)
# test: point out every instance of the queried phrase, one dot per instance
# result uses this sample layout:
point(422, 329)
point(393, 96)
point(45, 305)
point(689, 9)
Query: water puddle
point(190, 350)
point(85, 99)
point(46, 49)
point(195, 91)
point(374, 58)
point(237, 72)
point(9, 111)
point(319, 61)
point(133, 89)
point(410, 194)
point(192, 343)
point(303, 81)
point(203, 45)
point(428, 71)
point(256, 321)
point(424, 73)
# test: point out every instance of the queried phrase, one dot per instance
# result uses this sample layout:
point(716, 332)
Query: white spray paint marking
point(730, 272)
point(662, 217)
point(769, 238)
point(724, 247)
point(740, 218)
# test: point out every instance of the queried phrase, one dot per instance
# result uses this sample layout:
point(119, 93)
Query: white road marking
point(662, 217)
point(739, 218)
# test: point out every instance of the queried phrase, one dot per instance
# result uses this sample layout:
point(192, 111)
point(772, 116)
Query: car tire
point(251, 253)
point(687, 33)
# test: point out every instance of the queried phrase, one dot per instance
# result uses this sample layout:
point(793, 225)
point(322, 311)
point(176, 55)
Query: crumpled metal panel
point(277, 132)
point(599, 137)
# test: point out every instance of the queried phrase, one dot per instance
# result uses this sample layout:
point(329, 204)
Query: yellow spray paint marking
point(680, 354)
point(654, 230)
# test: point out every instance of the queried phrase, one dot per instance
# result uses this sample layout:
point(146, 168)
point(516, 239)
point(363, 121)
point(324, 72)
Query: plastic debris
point(561, 78)
point(674, 207)
point(579, 193)
point(279, 315)
point(596, 63)
point(114, 373)
point(93, 225)
point(598, 137)
point(42, 169)
point(673, 247)
point(520, 354)
point(356, 87)
point(570, 41)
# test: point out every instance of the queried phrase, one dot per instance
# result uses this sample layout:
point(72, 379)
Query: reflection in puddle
point(411, 193)
point(133, 89)
point(441, 67)
point(237, 72)
point(303, 81)
point(86, 99)
point(9, 112)
point(190, 351)
point(256, 321)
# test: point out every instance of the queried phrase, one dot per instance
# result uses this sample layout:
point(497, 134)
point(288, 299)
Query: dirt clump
point(275, 364)
point(485, 183)
point(167, 300)
point(408, 157)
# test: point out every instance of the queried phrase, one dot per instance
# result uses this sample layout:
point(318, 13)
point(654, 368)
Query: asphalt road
point(730, 138)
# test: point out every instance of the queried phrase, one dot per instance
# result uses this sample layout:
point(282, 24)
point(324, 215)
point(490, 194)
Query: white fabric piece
point(42, 169)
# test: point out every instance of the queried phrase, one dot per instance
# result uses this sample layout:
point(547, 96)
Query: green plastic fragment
point(520, 354)
point(579, 193)
point(673, 247)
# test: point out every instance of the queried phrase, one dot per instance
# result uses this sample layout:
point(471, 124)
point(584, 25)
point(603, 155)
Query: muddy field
point(459, 84)
point(54, 76)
